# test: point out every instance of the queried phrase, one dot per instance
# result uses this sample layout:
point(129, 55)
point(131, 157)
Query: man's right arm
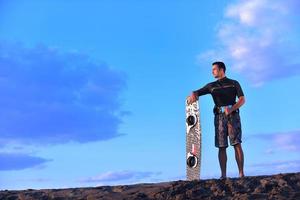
point(202, 91)
point(195, 94)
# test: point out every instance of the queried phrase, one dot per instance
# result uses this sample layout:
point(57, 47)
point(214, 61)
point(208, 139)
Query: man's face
point(216, 71)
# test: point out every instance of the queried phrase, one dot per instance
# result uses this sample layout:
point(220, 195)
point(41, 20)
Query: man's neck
point(221, 77)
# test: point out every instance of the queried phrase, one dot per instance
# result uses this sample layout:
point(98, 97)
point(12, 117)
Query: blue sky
point(93, 92)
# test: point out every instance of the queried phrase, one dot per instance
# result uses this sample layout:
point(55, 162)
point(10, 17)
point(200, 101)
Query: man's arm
point(195, 94)
point(241, 99)
point(236, 106)
point(192, 98)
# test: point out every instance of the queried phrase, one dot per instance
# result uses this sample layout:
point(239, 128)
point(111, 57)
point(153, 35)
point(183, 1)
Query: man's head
point(218, 69)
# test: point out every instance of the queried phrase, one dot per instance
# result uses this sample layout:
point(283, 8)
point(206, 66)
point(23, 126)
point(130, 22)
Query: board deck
point(193, 140)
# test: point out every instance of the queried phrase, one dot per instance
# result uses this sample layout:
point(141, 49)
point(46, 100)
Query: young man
point(227, 119)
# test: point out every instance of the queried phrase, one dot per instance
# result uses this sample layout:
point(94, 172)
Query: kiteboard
point(193, 140)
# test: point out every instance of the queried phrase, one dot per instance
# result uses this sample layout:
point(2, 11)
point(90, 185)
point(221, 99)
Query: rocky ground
point(281, 186)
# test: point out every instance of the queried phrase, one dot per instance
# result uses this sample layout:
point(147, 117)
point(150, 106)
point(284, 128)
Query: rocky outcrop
point(281, 186)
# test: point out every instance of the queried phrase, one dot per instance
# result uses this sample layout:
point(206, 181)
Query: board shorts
point(227, 126)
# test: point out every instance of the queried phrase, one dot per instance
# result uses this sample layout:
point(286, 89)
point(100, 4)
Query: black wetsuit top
point(223, 91)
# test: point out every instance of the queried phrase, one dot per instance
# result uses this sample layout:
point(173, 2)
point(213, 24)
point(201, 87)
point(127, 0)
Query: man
point(227, 120)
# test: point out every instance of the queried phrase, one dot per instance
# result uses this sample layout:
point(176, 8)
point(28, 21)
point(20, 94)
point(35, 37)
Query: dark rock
point(280, 186)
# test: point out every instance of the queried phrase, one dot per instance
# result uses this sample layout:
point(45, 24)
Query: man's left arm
point(241, 100)
point(238, 104)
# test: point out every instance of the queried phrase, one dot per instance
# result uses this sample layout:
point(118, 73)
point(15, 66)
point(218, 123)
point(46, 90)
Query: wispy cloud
point(37, 180)
point(49, 96)
point(260, 39)
point(273, 167)
point(116, 176)
point(280, 141)
point(16, 161)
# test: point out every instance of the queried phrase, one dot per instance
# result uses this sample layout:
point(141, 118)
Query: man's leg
point(235, 135)
point(223, 160)
point(221, 141)
point(239, 156)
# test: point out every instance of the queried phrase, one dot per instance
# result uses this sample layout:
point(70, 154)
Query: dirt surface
point(281, 186)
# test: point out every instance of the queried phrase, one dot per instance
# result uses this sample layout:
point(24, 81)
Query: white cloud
point(273, 167)
point(259, 39)
point(280, 141)
point(117, 176)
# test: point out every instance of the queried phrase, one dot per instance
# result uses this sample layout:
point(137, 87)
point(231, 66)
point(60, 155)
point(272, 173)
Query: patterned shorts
point(227, 126)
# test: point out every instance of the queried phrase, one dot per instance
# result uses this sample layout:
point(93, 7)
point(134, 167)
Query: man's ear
point(222, 70)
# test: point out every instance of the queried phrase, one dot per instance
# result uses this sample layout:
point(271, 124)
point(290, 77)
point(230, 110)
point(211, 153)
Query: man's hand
point(228, 110)
point(236, 106)
point(192, 98)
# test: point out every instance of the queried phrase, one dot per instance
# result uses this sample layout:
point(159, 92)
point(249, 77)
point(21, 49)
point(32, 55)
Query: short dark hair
point(220, 64)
